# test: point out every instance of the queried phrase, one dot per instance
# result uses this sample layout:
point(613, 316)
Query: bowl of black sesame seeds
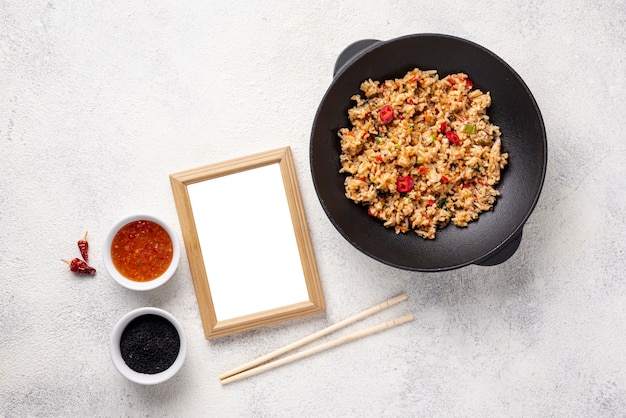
point(148, 346)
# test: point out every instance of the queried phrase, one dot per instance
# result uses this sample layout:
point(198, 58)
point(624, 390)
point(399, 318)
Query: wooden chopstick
point(315, 336)
point(318, 348)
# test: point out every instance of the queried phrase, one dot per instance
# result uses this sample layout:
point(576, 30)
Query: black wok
point(496, 235)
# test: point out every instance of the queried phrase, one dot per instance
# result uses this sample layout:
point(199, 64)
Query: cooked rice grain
point(454, 176)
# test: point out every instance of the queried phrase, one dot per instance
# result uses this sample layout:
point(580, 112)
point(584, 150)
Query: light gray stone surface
point(101, 101)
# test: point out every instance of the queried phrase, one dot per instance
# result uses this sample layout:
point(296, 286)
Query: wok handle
point(351, 51)
point(504, 253)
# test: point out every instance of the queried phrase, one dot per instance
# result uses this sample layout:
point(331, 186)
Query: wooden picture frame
point(247, 242)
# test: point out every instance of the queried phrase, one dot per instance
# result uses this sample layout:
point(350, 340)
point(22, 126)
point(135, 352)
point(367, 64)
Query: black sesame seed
point(150, 344)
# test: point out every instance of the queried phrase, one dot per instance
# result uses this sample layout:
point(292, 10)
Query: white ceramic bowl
point(131, 284)
point(144, 378)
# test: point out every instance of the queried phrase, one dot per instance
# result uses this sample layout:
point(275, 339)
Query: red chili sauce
point(142, 250)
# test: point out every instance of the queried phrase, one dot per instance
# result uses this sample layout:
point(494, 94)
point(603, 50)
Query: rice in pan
point(421, 152)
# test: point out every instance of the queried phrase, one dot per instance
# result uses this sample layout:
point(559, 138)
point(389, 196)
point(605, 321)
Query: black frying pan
point(495, 236)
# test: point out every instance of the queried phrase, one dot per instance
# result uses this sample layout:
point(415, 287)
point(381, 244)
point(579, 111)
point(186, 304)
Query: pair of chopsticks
point(263, 363)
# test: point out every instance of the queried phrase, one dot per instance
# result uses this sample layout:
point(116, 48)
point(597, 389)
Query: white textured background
point(101, 101)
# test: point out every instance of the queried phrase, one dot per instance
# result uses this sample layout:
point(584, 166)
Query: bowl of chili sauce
point(148, 346)
point(141, 252)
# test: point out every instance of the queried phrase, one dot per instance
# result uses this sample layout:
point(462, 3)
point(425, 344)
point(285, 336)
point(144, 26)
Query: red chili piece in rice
point(386, 114)
point(453, 137)
point(405, 184)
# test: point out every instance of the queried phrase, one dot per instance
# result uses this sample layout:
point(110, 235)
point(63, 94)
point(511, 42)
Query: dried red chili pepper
point(443, 127)
point(83, 246)
point(79, 266)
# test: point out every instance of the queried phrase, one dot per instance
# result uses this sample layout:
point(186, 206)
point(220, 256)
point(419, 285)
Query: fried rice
point(421, 152)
